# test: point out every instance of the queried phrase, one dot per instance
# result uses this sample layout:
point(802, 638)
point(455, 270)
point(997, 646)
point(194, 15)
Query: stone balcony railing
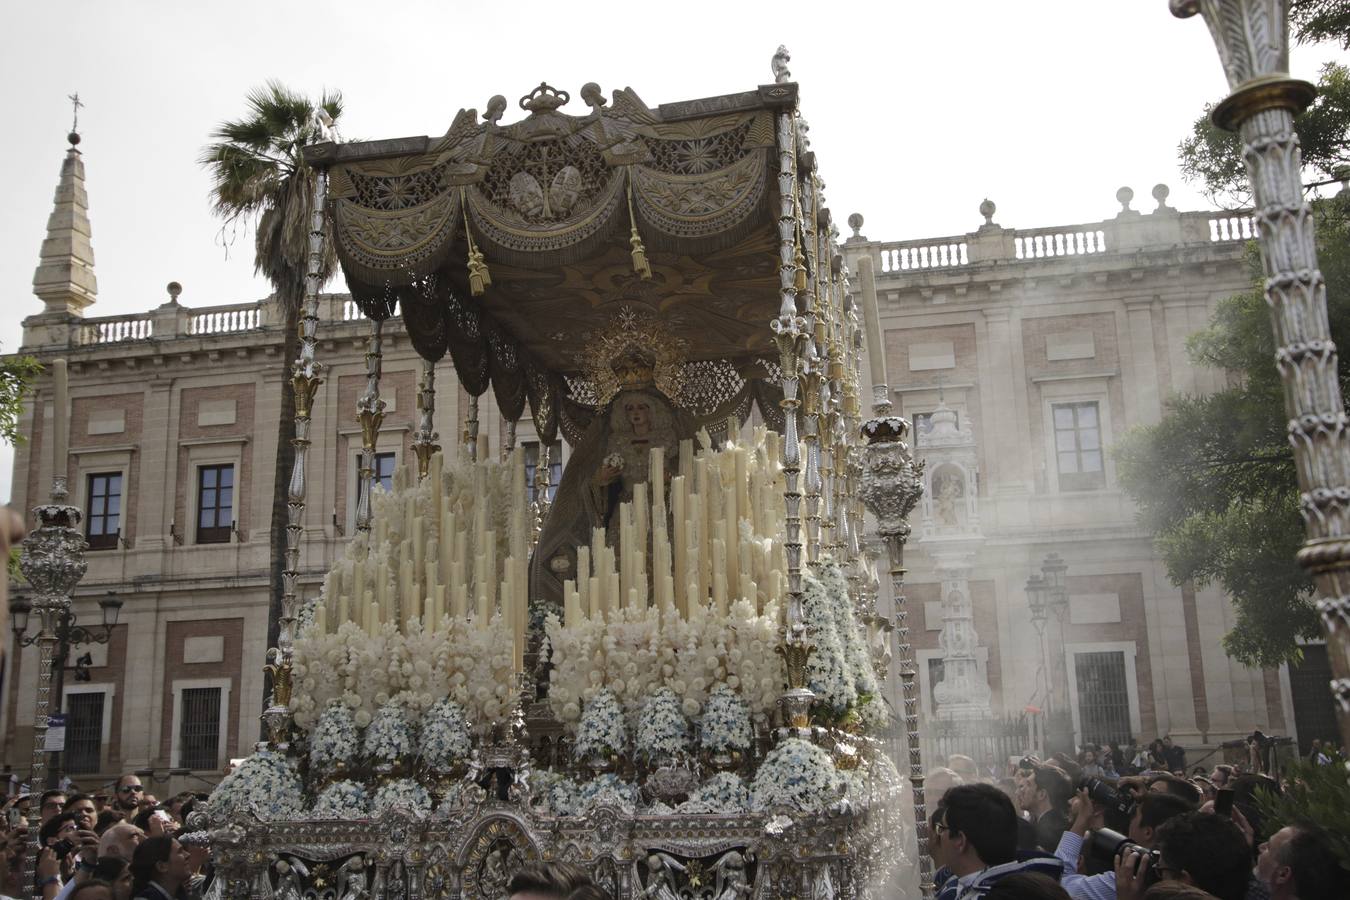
point(1129, 231)
point(173, 321)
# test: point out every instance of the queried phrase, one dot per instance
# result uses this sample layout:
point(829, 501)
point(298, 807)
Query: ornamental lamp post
point(67, 634)
point(891, 485)
point(1038, 604)
point(53, 561)
point(1055, 600)
point(1252, 39)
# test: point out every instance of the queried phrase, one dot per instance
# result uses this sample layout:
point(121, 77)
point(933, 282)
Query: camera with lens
point(1105, 845)
point(64, 848)
point(1117, 804)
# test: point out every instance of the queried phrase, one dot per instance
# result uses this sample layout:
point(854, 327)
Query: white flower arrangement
point(856, 655)
point(390, 739)
point(796, 775)
point(342, 800)
point(636, 652)
point(445, 739)
point(725, 725)
point(554, 794)
point(724, 794)
point(601, 732)
point(451, 799)
point(402, 793)
point(614, 461)
point(827, 671)
point(334, 742)
point(662, 732)
point(608, 790)
point(266, 785)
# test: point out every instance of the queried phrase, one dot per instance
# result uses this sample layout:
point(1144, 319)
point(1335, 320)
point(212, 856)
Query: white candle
point(593, 597)
point(640, 523)
point(719, 568)
point(583, 576)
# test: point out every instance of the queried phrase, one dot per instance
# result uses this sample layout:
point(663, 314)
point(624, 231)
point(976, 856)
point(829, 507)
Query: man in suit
point(1044, 796)
point(160, 869)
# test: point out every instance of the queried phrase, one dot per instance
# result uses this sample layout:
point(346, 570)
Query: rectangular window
point(105, 510)
point(1103, 696)
point(215, 503)
point(1078, 446)
point(936, 671)
point(199, 729)
point(84, 733)
point(531, 449)
point(382, 472)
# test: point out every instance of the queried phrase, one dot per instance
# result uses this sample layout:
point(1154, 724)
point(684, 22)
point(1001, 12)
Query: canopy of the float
point(511, 247)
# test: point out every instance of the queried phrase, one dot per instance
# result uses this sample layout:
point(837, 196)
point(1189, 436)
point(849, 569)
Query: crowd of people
point(1091, 827)
point(103, 846)
point(1132, 825)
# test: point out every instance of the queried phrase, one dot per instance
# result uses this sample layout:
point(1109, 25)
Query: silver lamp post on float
point(892, 484)
point(1253, 43)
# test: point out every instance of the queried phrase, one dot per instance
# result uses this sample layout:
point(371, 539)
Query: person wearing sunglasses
point(127, 794)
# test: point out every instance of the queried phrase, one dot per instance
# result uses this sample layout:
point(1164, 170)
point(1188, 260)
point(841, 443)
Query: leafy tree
point(1213, 157)
point(1215, 480)
point(1314, 793)
point(1320, 20)
point(17, 374)
point(260, 178)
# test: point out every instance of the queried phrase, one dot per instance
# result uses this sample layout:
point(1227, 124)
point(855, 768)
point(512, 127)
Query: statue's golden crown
point(634, 370)
point(635, 352)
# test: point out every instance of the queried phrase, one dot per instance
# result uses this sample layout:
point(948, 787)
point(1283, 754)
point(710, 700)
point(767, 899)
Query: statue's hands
point(606, 475)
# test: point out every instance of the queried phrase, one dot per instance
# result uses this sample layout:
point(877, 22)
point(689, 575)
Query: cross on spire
point(75, 103)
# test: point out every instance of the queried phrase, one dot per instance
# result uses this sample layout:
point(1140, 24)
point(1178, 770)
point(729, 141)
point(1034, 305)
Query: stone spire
point(64, 280)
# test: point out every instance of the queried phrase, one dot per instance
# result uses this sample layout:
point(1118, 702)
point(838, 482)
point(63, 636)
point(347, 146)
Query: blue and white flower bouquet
point(796, 775)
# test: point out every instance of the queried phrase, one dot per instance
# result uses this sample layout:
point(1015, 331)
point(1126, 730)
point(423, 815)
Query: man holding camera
point(1146, 816)
point(1201, 849)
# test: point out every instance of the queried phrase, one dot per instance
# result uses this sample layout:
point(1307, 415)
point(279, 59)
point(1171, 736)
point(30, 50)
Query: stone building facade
point(1048, 345)
point(172, 444)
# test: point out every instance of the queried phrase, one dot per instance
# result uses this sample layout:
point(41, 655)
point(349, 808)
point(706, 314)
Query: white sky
point(918, 111)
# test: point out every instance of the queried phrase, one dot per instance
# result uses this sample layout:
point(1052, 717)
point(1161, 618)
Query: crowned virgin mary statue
point(613, 455)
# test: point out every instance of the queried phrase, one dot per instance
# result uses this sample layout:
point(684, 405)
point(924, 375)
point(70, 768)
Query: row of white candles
point(696, 552)
point(684, 554)
point(437, 561)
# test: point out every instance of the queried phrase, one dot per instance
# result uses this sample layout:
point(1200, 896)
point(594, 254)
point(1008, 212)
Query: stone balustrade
point(1129, 231)
point(173, 320)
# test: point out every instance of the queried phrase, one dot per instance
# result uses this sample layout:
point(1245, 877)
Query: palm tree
point(259, 177)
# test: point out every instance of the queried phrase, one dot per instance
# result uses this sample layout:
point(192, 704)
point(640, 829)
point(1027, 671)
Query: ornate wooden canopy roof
point(512, 246)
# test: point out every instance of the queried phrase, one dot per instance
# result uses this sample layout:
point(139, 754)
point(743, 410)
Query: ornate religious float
point(669, 674)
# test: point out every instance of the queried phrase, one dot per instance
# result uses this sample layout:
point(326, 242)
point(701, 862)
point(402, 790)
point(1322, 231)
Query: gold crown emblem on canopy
point(636, 350)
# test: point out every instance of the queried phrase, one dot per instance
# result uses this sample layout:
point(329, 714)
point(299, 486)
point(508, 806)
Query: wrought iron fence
point(991, 742)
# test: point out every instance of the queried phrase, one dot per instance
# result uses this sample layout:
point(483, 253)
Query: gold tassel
point(640, 264)
point(480, 279)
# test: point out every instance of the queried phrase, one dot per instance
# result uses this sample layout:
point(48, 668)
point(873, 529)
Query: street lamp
point(1053, 569)
point(66, 634)
point(1047, 596)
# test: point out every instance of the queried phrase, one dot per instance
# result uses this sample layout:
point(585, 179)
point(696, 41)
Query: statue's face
point(639, 415)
